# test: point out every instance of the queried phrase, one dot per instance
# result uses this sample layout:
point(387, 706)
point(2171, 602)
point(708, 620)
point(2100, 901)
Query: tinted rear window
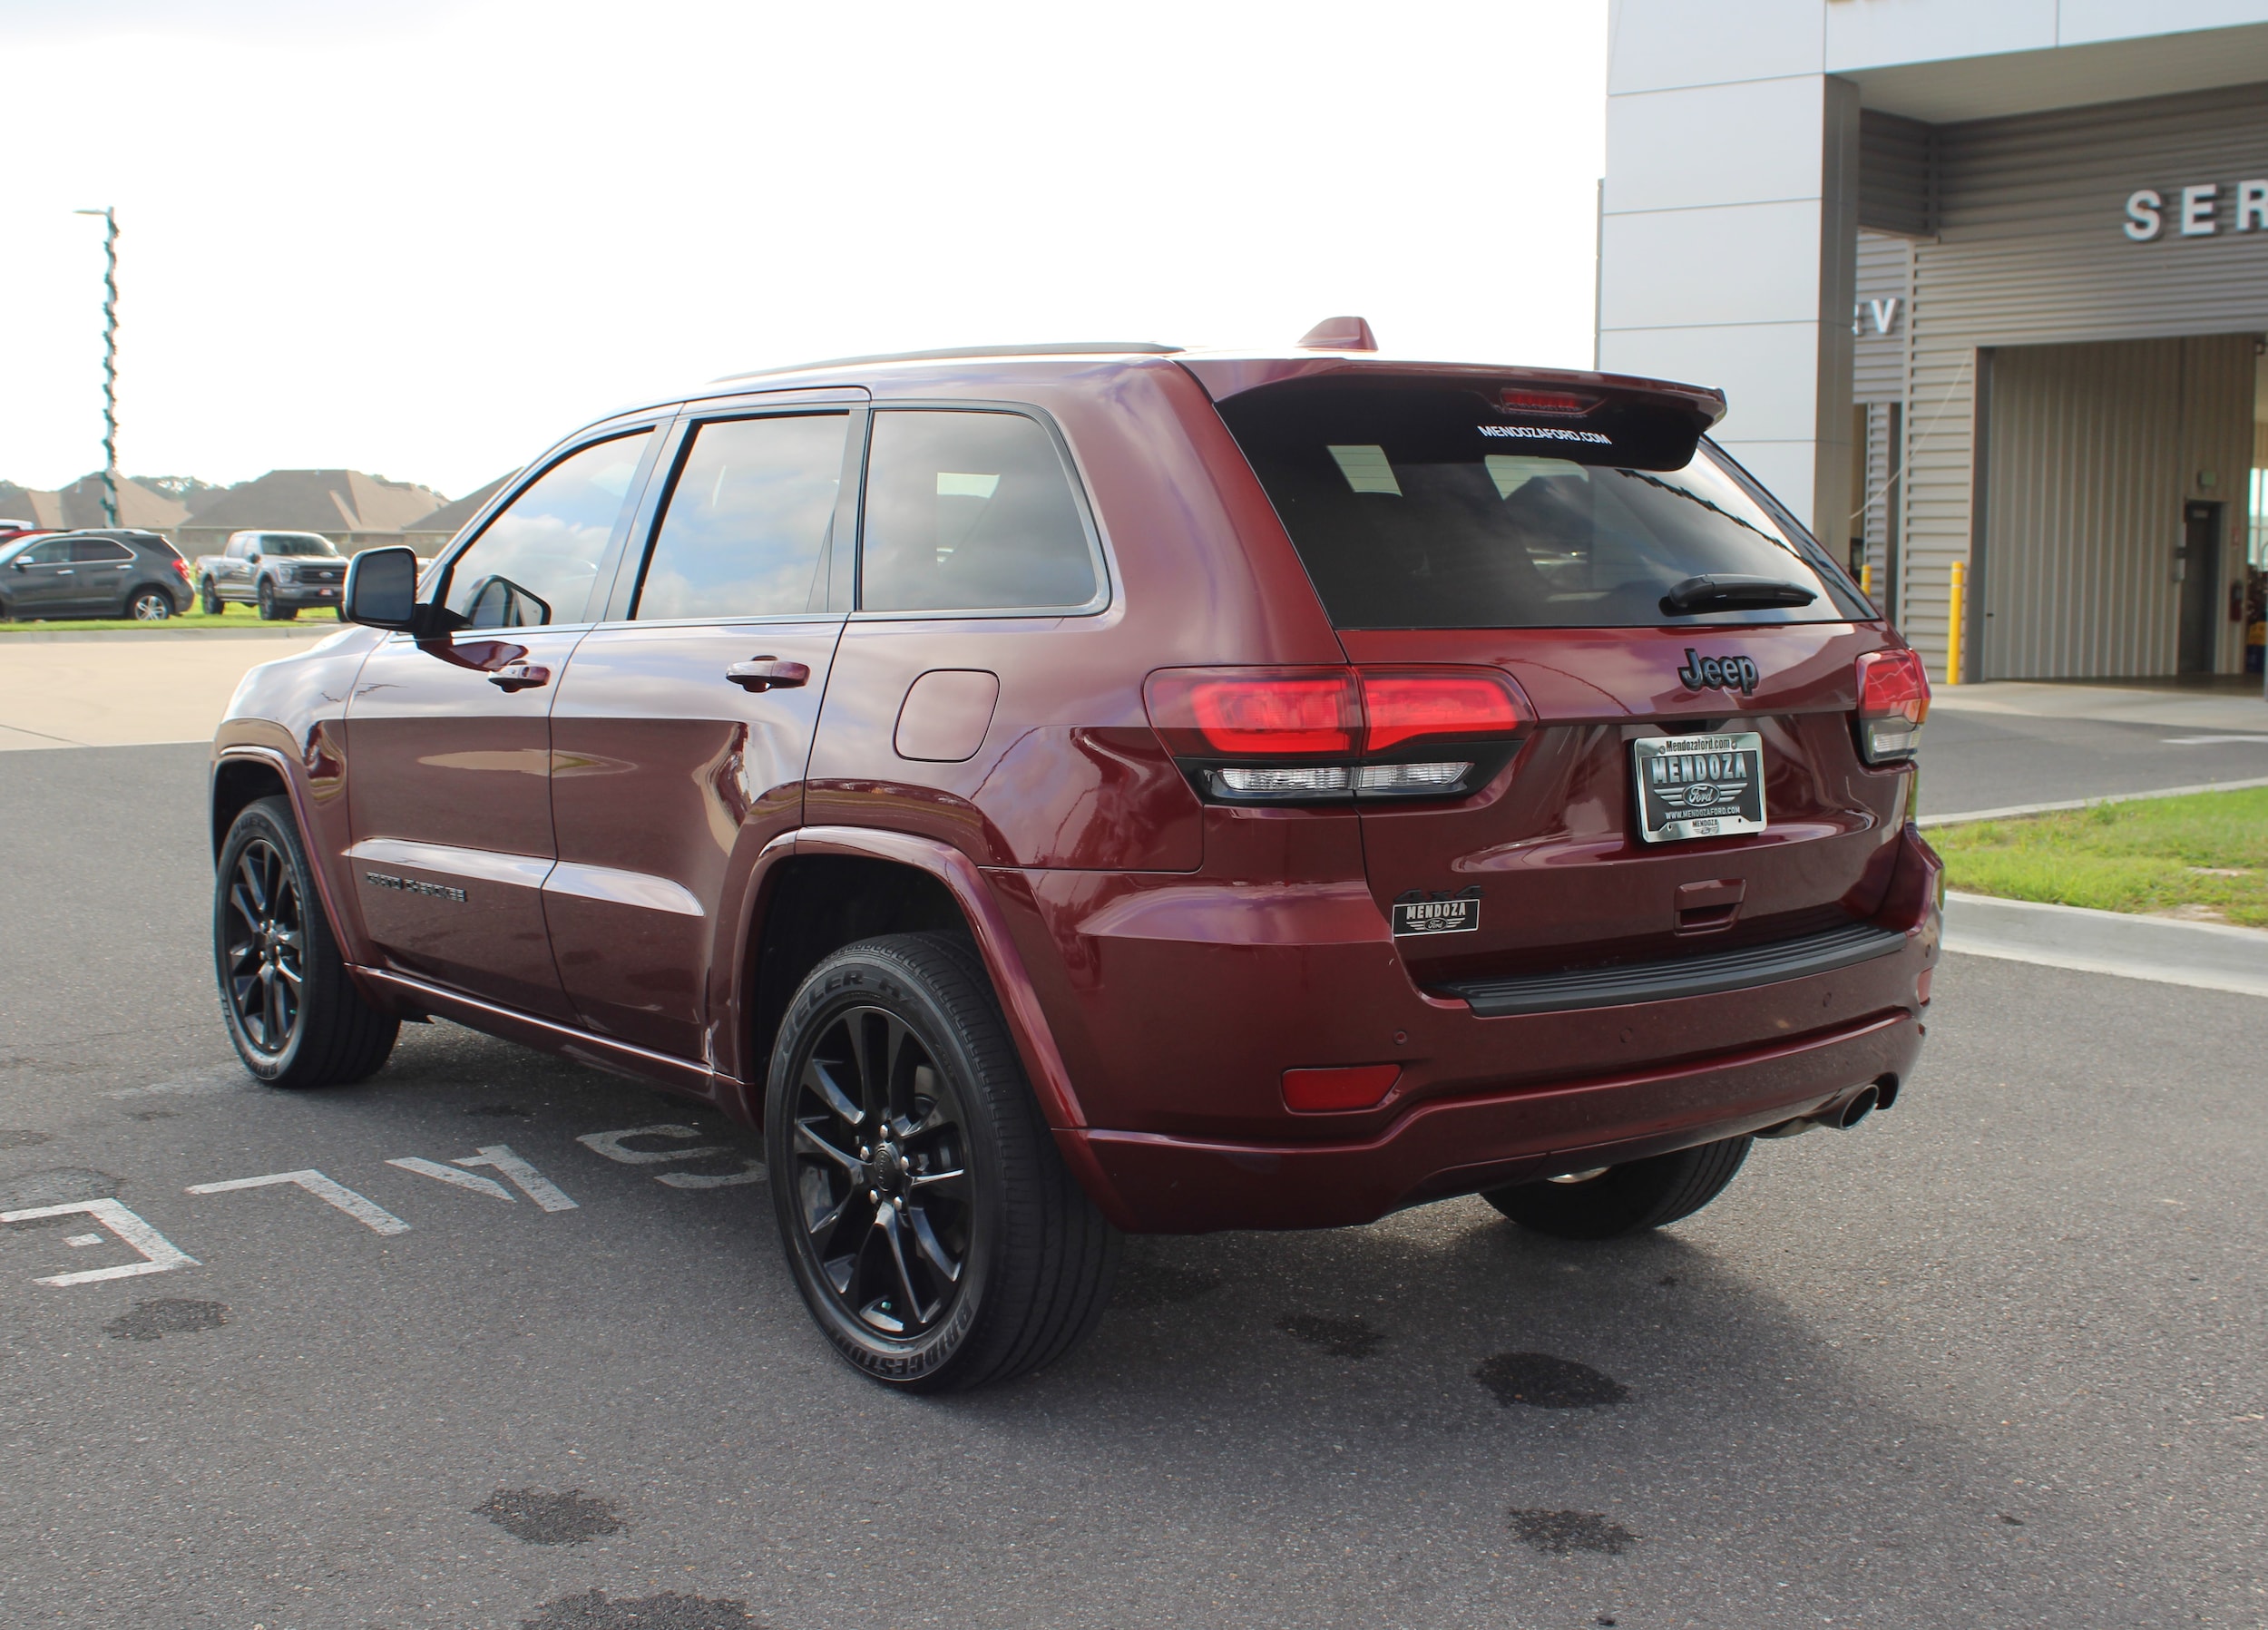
point(1429, 508)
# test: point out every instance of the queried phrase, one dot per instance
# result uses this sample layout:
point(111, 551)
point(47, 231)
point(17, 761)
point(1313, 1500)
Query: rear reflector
point(1356, 1086)
point(1893, 704)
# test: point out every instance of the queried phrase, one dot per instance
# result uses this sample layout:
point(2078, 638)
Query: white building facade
point(1986, 282)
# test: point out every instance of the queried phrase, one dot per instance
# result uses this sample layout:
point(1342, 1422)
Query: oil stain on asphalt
point(21, 1139)
point(541, 1519)
point(1558, 1533)
point(667, 1611)
point(1545, 1382)
point(168, 1316)
point(1146, 1283)
point(1341, 1338)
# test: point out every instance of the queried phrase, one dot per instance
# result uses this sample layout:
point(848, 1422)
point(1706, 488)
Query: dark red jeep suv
point(1100, 787)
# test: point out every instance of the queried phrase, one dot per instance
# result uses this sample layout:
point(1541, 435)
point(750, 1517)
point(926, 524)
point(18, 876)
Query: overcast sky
point(424, 238)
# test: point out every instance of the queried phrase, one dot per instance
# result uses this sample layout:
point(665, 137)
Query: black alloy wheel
point(880, 1174)
point(933, 1229)
point(270, 610)
point(292, 1009)
point(209, 597)
point(263, 934)
point(149, 605)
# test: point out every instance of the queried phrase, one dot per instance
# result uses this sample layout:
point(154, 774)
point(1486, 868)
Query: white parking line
point(161, 1255)
point(521, 1176)
point(373, 1216)
point(449, 1174)
point(610, 1144)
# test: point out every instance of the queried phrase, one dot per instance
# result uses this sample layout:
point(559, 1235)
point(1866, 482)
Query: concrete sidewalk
point(130, 686)
point(2205, 955)
point(2205, 711)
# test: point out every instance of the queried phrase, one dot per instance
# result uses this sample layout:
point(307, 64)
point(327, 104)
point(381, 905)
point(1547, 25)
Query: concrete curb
point(2209, 956)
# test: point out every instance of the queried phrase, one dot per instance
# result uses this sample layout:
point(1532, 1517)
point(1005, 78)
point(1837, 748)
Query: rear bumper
point(1181, 1185)
point(1177, 1045)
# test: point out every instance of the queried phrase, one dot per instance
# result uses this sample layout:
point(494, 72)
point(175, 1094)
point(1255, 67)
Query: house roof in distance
point(449, 517)
point(319, 501)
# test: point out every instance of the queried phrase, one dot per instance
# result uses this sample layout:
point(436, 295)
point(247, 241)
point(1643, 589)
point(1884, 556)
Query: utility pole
point(110, 362)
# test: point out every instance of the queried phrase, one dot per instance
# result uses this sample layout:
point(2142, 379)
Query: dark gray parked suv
point(105, 574)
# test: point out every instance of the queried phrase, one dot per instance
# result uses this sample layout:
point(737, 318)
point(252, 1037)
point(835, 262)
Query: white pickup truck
point(279, 572)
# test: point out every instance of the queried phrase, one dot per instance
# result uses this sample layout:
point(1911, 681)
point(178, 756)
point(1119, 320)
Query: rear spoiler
point(1227, 376)
point(1643, 424)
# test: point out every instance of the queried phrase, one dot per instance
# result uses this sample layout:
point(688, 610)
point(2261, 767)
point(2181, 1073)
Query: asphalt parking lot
point(1996, 1358)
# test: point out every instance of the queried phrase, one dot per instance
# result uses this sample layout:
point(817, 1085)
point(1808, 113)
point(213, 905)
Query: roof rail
point(1075, 347)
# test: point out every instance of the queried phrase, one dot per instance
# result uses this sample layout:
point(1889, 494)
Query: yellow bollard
point(1956, 617)
point(1866, 580)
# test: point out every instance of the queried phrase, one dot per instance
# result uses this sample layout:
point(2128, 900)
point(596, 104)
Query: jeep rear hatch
point(1659, 618)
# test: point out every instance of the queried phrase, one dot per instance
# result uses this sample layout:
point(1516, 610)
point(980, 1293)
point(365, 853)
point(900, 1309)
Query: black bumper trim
point(1708, 974)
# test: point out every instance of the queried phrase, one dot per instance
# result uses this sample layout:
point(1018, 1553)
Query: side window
point(534, 563)
point(968, 512)
point(745, 531)
point(235, 549)
point(54, 553)
point(99, 551)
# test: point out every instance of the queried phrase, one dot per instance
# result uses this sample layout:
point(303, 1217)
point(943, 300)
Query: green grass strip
point(2148, 855)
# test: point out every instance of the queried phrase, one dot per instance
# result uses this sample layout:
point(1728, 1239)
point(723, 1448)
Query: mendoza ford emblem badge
point(1416, 911)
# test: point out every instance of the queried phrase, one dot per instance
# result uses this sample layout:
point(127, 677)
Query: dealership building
point(1986, 282)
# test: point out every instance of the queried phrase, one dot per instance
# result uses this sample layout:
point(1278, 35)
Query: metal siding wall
point(2094, 447)
point(2031, 253)
point(1878, 369)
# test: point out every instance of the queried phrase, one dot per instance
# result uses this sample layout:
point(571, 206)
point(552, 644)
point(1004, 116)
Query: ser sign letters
point(2195, 211)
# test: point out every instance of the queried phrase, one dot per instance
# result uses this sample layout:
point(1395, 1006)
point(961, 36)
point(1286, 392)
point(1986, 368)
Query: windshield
point(295, 543)
point(1421, 507)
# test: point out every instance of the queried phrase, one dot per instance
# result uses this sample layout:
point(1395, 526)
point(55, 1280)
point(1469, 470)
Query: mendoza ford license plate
point(1698, 785)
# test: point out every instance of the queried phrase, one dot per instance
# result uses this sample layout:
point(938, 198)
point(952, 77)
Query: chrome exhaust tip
point(1861, 1105)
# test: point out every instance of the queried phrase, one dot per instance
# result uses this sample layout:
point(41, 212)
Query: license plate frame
point(1695, 786)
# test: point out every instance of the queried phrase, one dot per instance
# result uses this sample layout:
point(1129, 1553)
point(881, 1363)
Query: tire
point(1007, 1264)
point(209, 598)
point(1624, 1199)
point(150, 603)
point(269, 611)
point(316, 1031)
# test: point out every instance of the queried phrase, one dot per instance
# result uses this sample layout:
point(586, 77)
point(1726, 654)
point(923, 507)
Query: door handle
point(768, 673)
point(519, 676)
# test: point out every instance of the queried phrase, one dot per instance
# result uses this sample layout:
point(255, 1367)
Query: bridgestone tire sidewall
point(265, 819)
point(869, 976)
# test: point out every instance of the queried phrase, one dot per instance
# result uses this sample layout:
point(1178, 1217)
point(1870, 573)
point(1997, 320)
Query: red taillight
point(180, 565)
point(1893, 704)
point(1330, 718)
point(1256, 712)
point(1406, 706)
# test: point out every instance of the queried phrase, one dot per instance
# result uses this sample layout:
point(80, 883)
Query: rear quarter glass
point(1424, 505)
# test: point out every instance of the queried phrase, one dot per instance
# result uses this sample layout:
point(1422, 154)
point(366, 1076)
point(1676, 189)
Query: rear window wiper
point(1728, 593)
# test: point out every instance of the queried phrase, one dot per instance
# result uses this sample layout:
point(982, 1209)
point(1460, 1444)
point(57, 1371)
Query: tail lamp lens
point(180, 565)
point(1266, 716)
point(1403, 708)
point(1257, 712)
point(1893, 704)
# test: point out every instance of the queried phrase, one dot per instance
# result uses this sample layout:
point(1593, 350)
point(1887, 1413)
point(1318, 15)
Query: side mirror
point(382, 590)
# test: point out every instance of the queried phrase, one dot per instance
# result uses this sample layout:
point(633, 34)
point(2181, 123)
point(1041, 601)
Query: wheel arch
point(820, 888)
point(242, 774)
